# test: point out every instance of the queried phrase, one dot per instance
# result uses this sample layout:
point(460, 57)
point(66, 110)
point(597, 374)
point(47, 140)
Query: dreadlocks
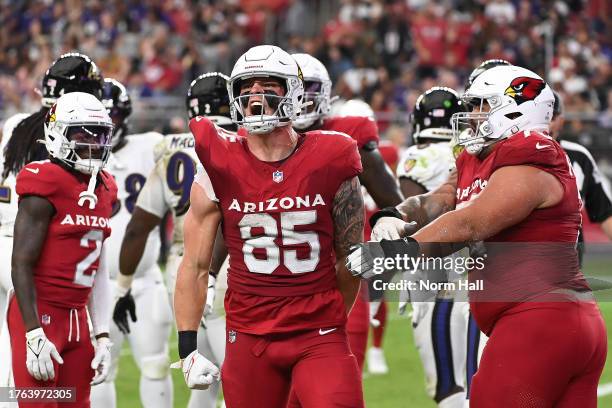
point(23, 147)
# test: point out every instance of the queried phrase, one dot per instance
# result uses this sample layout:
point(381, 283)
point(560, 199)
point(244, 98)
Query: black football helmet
point(118, 103)
point(431, 118)
point(207, 96)
point(69, 73)
point(485, 65)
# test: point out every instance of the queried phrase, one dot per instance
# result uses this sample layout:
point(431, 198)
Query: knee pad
point(155, 367)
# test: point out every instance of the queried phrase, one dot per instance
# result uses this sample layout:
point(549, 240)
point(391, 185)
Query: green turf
point(402, 387)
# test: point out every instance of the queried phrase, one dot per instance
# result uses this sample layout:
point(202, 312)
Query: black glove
point(365, 259)
point(124, 305)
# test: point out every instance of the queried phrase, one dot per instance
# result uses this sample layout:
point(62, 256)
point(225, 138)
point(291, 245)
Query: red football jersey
point(361, 128)
point(516, 272)
point(278, 228)
point(65, 270)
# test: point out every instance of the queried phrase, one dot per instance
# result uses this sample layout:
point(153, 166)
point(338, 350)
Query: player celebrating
point(514, 185)
point(439, 323)
point(57, 267)
point(376, 177)
point(291, 207)
point(167, 189)
point(132, 159)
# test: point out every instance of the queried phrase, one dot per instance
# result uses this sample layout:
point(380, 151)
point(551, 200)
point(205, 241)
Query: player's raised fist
point(199, 373)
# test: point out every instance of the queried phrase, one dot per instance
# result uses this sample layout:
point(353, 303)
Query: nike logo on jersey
point(539, 146)
point(324, 332)
point(35, 171)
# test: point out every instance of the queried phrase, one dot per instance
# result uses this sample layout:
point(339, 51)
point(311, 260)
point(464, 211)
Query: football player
point(356, 119)
point(439, 323)
point(19, 146)
point(484, 65)
point(58, 269)
point(167, 189)
point(70, 72)
point(593, 186)
point(131, 160)
point(514, 185)
point(291, 207)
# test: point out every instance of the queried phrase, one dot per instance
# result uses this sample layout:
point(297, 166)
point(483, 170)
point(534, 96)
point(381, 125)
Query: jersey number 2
point(84, 275)
point(288, 221)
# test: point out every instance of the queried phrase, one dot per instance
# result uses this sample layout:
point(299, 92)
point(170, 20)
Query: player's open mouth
point(256, 107)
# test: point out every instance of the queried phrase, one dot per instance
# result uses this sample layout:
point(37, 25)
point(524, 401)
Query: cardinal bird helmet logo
point(523, 89)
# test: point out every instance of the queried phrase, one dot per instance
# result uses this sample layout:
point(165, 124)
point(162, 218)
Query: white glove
point(199, 373)
point(40, 352)
point(390, 228)
point(102, 360)
point(419, 310)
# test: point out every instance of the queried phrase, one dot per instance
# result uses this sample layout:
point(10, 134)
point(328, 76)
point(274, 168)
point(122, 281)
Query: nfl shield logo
point(277, 176)
point(45, 319)
point(231, 336)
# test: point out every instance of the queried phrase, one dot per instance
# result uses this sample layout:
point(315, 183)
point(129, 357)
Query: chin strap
point(89, 194)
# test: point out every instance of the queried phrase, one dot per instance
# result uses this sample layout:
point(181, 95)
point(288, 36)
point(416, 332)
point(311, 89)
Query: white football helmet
point(518, 100)
point(317, 91)
point(353, 107)
point(266, 61)
point(75, 124)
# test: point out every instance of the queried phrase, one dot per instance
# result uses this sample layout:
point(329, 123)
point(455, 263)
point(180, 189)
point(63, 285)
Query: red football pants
point(77, 354)
point(549, 355)
point(357, 327)
point(259, 371)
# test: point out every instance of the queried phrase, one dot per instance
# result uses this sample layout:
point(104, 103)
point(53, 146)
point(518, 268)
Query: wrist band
point(385, 212)
point(187, 342)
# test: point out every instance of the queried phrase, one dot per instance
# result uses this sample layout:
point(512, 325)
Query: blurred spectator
point(429, 35)
point(605, 119)
point(384, 51)
point(501, 12)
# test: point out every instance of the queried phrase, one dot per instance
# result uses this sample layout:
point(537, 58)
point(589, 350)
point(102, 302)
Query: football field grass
point(402, 387)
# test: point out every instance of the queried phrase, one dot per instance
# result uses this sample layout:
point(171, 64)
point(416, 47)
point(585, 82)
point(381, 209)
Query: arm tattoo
point(427, 207)
point(348, 215)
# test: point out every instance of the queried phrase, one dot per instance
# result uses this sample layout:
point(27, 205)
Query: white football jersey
point(428, 166)
point(130, 166)
point(8, 196)
point(169, 185)
point(167, 189)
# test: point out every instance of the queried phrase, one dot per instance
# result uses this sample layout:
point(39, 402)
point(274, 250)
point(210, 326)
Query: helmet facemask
point(262, 112)
point(471, 128)
point(316, 104)
point(83, 146)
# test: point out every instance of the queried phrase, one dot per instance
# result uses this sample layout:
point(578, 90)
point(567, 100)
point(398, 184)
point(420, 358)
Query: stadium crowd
point(385, 51)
